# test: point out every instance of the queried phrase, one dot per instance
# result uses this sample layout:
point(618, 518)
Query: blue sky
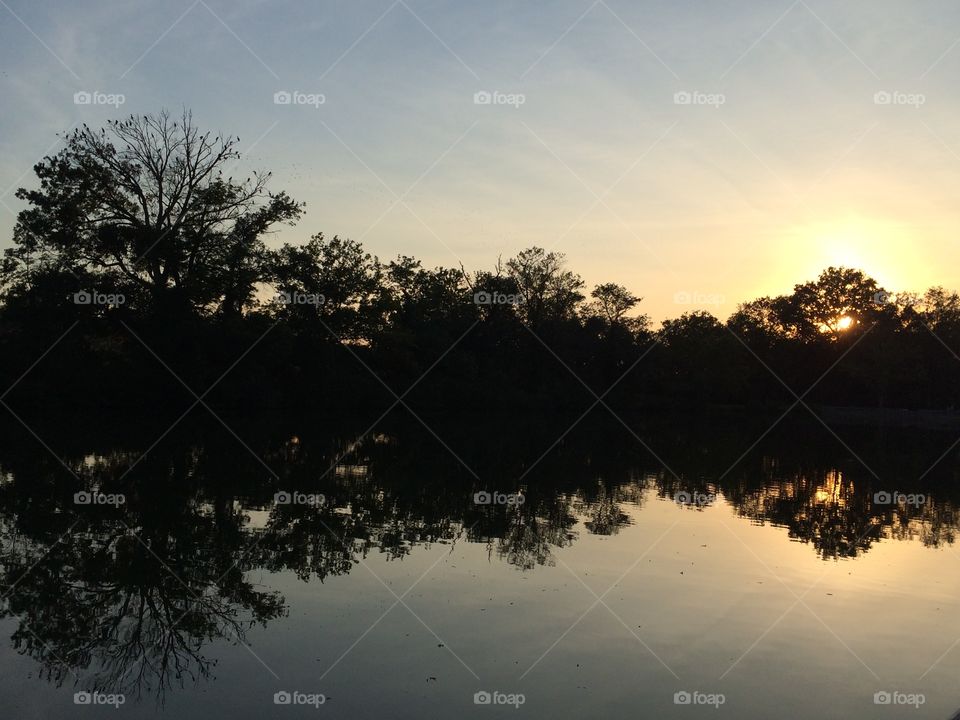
point(786, 160)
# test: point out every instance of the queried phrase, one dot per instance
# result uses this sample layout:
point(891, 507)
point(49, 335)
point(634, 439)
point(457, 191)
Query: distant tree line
point(143, 253)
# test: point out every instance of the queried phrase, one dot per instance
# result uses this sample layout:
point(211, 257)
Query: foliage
point(146, 210)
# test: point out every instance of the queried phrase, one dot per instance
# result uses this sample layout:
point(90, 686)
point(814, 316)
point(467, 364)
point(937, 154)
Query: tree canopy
point(140, 236)
point(147, 205)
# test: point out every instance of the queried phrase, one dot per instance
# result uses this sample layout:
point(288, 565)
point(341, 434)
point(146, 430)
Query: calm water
point(764, 576)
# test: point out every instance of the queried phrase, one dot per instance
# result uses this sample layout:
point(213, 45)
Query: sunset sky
point(818, 133)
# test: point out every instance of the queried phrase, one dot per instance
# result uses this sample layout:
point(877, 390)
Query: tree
point(841, 299)
point(334, 280)
point(418, 295)
point(938, 328)
point(762, 322)
point(612, 302)
point(549, 291)
point(940, 309)
point(703, 360)
point(145, 203)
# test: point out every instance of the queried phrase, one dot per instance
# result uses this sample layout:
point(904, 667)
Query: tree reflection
point(528, 535)
point(131, 599)
point(839, 519)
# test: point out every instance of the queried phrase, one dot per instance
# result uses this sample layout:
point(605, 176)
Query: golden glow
point(884, 249)
point(844, 322)
point(834, 490)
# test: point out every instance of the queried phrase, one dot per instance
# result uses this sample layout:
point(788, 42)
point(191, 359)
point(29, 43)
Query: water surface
point(795, 573)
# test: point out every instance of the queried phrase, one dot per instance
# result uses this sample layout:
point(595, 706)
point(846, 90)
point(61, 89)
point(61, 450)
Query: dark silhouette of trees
point(146, 210)
point(839, 301)
point(329, 286)
point(612, 302)
point(549, 291)
point(144, 206)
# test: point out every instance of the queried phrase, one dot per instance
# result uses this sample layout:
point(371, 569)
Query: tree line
point(148, 258)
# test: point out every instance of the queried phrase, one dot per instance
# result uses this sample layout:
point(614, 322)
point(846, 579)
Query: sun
point(884, 248)
point(844, 323)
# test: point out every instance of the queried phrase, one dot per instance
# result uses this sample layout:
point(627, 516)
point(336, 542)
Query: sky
point(700, 153)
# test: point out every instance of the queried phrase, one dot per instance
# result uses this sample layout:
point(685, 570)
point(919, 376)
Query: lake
point(677, 565)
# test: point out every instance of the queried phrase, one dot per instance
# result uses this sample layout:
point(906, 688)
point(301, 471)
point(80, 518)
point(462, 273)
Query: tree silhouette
point(840, 300)
point(144, 205)
point(549, 291)
point(146, 209)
